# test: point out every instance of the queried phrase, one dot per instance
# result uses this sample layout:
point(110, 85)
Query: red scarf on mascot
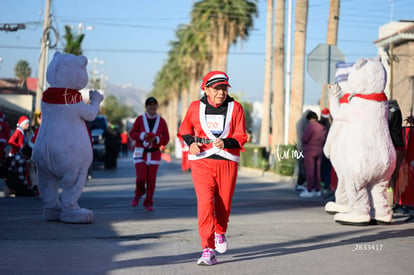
point(376, 97)
point(64, 96)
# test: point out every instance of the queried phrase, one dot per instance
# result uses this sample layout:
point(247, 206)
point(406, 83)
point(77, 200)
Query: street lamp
point(82, 26)
point(95, 61)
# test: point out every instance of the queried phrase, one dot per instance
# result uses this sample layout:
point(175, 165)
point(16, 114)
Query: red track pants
point(146, 174)
point(214, 183)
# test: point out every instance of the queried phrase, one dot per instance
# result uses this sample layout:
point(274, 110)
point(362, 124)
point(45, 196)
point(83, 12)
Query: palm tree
point(278, 76)
point(22, 71)
point(265, 127)
point(73, 42)
point(194, 57)
point(223, 21)
point(298, 72)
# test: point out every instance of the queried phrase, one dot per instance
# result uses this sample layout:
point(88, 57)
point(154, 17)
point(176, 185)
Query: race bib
point(215, 123)
point(138, 153)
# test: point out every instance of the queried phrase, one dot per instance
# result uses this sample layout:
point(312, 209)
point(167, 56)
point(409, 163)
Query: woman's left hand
point(219, 143)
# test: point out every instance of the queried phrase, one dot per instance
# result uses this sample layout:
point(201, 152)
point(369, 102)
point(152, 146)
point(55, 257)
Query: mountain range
point(128, 95)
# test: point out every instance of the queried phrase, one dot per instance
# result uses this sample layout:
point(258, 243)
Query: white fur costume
point(362, 151)
point(341, 199)
point(63, 150)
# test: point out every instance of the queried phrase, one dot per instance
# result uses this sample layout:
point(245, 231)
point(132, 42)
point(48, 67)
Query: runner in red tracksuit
point(185, 151)
point(150, 132)
point(214, 128)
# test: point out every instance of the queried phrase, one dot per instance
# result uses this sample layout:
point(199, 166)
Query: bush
point(254, 156)
point(285, 160)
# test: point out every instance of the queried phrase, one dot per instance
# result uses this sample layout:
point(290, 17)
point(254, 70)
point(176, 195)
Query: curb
point(255, 172)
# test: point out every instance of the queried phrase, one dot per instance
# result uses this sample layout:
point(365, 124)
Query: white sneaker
point(221, 243)
point(306, 194)
point(208, 257)
point(318, 194)
point(6, 191)
point(300, 188)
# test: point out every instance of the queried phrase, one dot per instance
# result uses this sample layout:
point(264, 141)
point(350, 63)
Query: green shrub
point(254, 156)
point(285, 159)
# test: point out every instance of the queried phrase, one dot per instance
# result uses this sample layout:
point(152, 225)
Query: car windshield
point(98, 123)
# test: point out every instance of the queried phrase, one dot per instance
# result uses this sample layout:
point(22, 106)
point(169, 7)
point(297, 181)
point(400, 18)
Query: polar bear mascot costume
point(341, 199)
point(362, 153)
point(63, 150)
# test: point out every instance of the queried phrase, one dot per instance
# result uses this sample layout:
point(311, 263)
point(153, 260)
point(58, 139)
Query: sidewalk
point(271, 231)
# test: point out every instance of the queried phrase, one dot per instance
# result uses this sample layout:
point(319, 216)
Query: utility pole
point(95, 61)
point(264, 130)
point(331, 39)
point(288, 72)
point(391, 56)
point(44, 50)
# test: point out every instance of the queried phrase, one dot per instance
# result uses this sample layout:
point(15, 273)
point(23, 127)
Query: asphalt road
point(271, 231)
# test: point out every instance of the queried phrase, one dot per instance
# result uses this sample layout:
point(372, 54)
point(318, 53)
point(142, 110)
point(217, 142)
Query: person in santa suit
point(4, 135)
point(17, 140)
point(149, 132)
point(185, 150)
point(214, 128)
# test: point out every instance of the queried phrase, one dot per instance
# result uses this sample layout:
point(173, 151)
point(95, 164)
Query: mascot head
point(341, 75)
point(367, 76)
point(67, 71)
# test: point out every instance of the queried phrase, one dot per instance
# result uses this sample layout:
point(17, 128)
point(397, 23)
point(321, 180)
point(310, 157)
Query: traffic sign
point(322, 61)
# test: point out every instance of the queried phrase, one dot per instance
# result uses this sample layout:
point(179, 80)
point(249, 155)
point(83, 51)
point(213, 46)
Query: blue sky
point(132, 37)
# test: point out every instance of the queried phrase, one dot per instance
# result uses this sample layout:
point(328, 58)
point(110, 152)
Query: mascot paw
point(95, 96)
point(81, 215)
point(50, 214)
point(352, 219)
point(334, 90)
point(333, 208)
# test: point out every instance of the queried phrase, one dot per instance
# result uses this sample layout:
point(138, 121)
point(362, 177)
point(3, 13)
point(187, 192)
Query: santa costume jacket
point(195, 127)
point(149, 152)
point(16, 141)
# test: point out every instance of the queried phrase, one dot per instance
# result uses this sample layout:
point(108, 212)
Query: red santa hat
point(215, 78)
point(23, 120)
point(325, 113)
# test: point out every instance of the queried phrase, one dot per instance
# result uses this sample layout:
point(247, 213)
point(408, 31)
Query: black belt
point(149, 150)
point(203, 140)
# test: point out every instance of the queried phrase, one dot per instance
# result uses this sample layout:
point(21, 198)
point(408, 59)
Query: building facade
point(396, 47)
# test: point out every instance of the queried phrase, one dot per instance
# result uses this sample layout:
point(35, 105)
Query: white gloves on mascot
point(63, 149)
point(361, 150)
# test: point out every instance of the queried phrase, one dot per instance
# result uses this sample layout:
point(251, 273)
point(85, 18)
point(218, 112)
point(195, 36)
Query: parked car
point(97, 128)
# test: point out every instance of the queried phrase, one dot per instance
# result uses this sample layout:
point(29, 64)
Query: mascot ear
point(82, 60)
point(52, 68)
point(378, 58)
point(361, 62)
